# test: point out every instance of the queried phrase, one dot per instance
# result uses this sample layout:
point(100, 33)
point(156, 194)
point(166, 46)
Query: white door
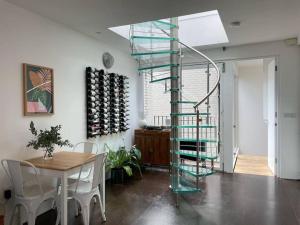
point(271, 115)
point(235, 119)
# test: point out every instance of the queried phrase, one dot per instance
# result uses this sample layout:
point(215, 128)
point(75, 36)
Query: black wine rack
point(107, 103)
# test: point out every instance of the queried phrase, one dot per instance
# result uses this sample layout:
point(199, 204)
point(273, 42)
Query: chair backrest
point(87, 147)
point(13, 169)
point(99, 169)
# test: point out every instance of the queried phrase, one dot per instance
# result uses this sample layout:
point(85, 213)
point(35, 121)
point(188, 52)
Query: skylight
point(198, 29)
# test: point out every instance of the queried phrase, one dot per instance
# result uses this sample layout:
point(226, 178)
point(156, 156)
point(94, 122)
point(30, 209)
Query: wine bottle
point(104, 126)
point(94, 87)
point(104, 88)
point(124, 119)
point(104, 132)
point(113, 95)
point(93, 98)
point(91, 81)
point(124, 129)
point(115, 110)
point(103, 83)
point(92, 93)
point(114, 102)
point(123, 105)
point(100, 72)
point(103, 121)
point(91, 76)
point(101, 99)
point(94, 104)
point(103, 110)
point(114, 130)
point(103, 116)
point(92, 111)
point(104, 95)
point(115, 120)
point(114, 114)
point(93, 129)
point(93, 134)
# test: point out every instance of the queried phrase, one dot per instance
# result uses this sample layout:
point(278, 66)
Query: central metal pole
point(175, 97)
point(198, 147)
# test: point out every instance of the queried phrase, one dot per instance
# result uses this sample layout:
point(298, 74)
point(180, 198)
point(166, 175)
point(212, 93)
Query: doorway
point(254, 117)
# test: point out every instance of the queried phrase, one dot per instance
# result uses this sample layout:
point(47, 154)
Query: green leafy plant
point(135, 159)
point(47, 139)
point(123, 158)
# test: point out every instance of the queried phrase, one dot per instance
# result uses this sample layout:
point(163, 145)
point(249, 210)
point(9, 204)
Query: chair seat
point(83, 187)
point(33, 191)
point(84, 176)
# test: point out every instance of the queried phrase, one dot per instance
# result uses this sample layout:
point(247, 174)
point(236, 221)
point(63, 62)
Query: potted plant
point(121, 163)
point(47, 139)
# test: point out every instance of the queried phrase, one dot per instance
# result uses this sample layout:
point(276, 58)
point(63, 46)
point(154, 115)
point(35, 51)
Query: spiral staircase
point(160, 54)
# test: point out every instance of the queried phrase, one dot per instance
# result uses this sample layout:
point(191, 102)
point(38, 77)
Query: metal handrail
point(214, 65)
point(208, 59)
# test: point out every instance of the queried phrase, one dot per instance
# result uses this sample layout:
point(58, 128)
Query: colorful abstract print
point(39, 92)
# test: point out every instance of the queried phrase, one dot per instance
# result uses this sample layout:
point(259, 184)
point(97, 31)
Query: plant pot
point(118, 176)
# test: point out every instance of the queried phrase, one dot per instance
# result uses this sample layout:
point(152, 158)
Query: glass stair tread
point(189, 114)
point(156, 67)
point(195, 140)
point(184, 102)
point(195, 126)
point(185, 189)
point(193, 154)
point(151, 53)
point(183, 145)
point(158, 24)
point(139, 39)
point(164, 24)
point(192, 170)
point(162, 79)
point(184, 185)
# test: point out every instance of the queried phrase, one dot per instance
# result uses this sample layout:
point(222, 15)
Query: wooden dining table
point(63, 165)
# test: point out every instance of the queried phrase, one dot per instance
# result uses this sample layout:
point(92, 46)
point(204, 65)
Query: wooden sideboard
point(154, 146)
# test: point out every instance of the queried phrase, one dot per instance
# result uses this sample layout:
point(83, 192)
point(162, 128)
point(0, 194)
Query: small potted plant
point(121, 163)
point(47, 139)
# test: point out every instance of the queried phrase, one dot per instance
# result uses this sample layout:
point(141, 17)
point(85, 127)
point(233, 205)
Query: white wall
point(288, 77)
point(29, 38)
point(227, 116)
point(253, 139)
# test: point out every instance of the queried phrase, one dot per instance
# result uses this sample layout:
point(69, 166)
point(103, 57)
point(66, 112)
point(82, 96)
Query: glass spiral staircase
point(194, 141)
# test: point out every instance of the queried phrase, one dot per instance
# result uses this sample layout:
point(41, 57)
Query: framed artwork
point(38, 90)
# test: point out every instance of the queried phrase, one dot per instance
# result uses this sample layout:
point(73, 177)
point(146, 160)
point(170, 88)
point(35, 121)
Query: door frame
point(277, 149)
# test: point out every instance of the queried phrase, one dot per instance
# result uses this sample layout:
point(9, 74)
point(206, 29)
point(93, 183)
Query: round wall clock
point(108, 60)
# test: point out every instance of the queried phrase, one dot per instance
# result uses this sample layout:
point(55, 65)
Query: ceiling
point(212, 30)
point(261, 20)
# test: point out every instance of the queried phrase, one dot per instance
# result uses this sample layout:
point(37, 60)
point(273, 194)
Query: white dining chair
point(30, 195)
point(83, 192)
point(87, 147)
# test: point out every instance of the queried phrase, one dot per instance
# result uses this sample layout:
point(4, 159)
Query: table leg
point(64, 199)
point(103, 190)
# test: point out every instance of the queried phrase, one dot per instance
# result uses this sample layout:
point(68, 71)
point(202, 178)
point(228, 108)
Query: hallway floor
point(227, 199)
point(252, 164)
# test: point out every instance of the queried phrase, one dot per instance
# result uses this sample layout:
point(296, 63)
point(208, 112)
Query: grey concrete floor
point(227, 199)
